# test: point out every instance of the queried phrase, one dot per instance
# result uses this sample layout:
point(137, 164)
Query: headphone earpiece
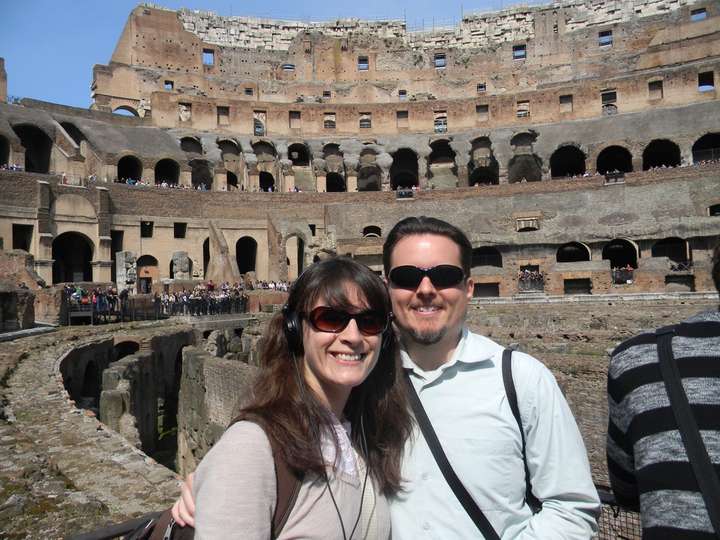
point(293, 330)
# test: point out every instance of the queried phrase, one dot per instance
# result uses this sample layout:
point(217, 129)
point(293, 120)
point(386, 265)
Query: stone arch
point(148, 272)
point(706, 148)
point(674, 248)
point(526, 167)
point(661, 153)
point(486, 256)
point(483, 167)
point(333, 157)
point(246, 254)
point(572, 252)
point(125, 348)
point(369, 178)
point(567, 160)
point(332, 149)
point(72, 254)
point(334, 182)
point(404, 169)
point(75, 133)
point(38, 147)
point(4, 151)
point(267, 181)
point(621, 252)
point(264, 150)
point(441, 153)
point(167, 170)
point(614, 158)
point(372, 231)
point(201, 174)
point(230, 150)
point(441, 164)
point(191, 145)
point(299, 154)
point(523, 142)
point(129, 167)
point(126, 110)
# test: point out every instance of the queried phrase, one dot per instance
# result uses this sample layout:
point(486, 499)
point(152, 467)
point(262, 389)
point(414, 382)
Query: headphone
point(293, 331)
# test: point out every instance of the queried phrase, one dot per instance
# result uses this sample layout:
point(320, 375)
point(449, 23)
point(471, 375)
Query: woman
point(330, 399)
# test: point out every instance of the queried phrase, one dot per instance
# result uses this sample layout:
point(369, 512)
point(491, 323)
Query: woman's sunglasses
point(328, 319)
point(442, 276)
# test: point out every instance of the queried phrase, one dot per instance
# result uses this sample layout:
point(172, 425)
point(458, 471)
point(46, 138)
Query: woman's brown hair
point(294, 418)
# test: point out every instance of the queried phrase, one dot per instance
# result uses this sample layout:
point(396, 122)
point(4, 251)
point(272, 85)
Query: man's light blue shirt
point(466, 403)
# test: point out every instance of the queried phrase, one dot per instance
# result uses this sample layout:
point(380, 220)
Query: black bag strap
point(705, 474)
point(532, 501)
point(465, 499)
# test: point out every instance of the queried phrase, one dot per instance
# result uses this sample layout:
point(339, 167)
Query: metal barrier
point(616, 523)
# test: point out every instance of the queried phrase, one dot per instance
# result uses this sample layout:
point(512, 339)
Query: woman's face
point(337, 362)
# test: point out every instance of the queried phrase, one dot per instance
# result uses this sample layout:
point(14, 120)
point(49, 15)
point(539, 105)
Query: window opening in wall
point(169, 85)
point(248, 91)
point(698, 15)
point(365, 120)
point(605, 38)
point(608, 99)
point(527, 224)
point(402, 119)
point(402, 95)
point(208, 57)
point(185, 112)
point(706, 81)
point(327, 94)
point(655, 89)
point(312, 228)
point(22, 236)
point(146, 229)
point(179, 230)
point(523, 109)
point(530, 278)
point(486, 290)
point(481, 88)
point(440, 123)
point(223, 116)
point(486, 256)
point(566, 103)
point(577, 286)
point(372, 231)
point(329, 120)
point(440, 60)
point(288, 67)
point(482, 113)
point(714, 210)
point(295, 119)
point(259, 127)
point(519, 52)
point(363, 63)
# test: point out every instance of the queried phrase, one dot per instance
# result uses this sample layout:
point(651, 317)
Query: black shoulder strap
point(466, 500)
point(532, 501)
point(705, 473)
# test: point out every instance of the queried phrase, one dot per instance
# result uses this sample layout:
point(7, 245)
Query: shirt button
point(426, 526)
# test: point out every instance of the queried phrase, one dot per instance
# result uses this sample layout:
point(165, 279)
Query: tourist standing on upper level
point(647, 458)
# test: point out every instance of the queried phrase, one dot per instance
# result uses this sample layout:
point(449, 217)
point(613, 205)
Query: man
point(647, 460)
point(458, 377)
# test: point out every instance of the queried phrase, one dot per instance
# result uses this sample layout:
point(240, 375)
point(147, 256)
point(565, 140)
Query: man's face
point(426, 314)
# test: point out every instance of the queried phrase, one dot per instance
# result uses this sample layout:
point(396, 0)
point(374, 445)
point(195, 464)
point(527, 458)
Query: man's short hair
point(716, 267)
point(427, 225)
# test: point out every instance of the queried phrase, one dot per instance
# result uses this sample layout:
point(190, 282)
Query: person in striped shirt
point(647, 462)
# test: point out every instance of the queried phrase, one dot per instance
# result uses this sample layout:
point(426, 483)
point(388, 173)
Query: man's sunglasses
point(328, 319)
point(442, 276)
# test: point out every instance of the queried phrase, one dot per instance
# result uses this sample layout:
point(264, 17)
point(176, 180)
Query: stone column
point(125, 269)
point(321, 182)
point(186, 178)
point(462, 158)
point(220, 180)
point(351, 171)
point(384, 161)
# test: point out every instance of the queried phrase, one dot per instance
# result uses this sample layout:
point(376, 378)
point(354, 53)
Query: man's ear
point(470, 288)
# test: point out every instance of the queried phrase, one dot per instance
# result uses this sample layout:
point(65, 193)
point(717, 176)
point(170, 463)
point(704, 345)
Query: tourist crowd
point(622, 275)
point(205, 299)
point(531, 280)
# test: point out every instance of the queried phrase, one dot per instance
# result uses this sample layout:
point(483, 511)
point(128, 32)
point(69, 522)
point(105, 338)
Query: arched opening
point(264, 151)
point(147, 273)
point(332, 150)
point(369, 178)
point(246, 254)
point(295, 256)
point(37, 148)
point(372, 231)
point(125, 348)
point(191, 145)
point(167, 170)
point(206, 256)
point(4, 151)
point(129, 167)
point(707, 148)
point(125, 110)
point(229, 150)
point(232, 181)
point(267, 181)
point(572, 252)
point(441, 164)
point(614, 159)
point(620, 253)
point(404, 169)
point(525, 168)
point(486, 256)
point(202, 177)
point(567, 161)
point(334, 182)
point(299, 155)
point(483, 167)
point(675, 249)
point(72, 254)
point(90, 392)
point(75, 134)
point(661, 153)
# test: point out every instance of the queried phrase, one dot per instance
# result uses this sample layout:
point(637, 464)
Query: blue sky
point(50, 46)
